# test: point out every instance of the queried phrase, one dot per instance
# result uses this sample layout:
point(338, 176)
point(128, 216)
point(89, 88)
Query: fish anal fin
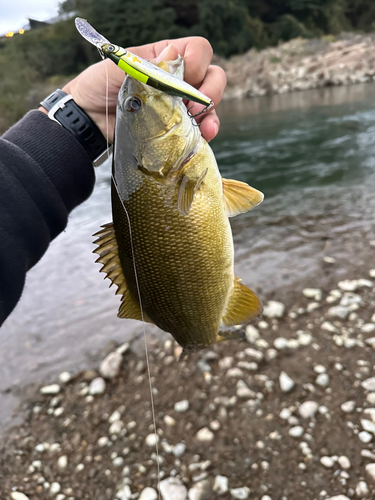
point(187, 190)
point(239, 197)
point(243, 305)
point(109, 257)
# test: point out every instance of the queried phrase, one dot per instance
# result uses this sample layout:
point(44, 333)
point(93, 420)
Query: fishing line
point(138, 289)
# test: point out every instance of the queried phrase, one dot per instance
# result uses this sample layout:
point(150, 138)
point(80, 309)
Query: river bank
point(301, 64)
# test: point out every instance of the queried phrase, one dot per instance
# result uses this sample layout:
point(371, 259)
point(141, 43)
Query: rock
point(220, 485)
point(308, 409)
point(370, 342)
point(348, 407)
point(118, 462)
point(50, 389)
point(322, 380)
point(123, 348)
point(148, 494)
point(296, 431)
point(369, 384)
point(124, 493)
point(368, 328)
point(368, 426)
point(116, 415)
point(110, 366)
point(361, 489)
point(266, 497)
point(370, 469)
point(179, 450)
point(173, 489)
point(370, 412)
point(252, 334)
point(365, 437)
point(65, 377)
point(350, 298)
point(281, 343)
point(340, 312)
point(181, 406)
point(286, 383)
point(170, 421)
point(243, 391)
point(327, 462)
point(17, 495)
point(205, 435)
point(240, 493)
point(273, 309)
point(116, 427)
point(372, 273)
point(348, 285)
point(326, 325)
point(201, 490)
point(103, 441)
point(55, 488)
point(344, 462)
point(312, 293)
point(363, 282)
point(62, 462)
point(329, 260)
point(339, 497)
point(97, 386)
point(152, 439)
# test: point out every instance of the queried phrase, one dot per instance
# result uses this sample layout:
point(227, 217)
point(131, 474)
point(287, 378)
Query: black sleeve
point(44, 174)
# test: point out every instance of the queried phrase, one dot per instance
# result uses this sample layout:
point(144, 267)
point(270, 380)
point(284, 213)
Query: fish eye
point(110, 48)
point(133, 104)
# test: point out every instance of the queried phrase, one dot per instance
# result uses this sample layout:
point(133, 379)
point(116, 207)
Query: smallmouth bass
point(170, 242)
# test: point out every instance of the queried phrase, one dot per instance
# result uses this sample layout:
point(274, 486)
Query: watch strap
point(62, 109)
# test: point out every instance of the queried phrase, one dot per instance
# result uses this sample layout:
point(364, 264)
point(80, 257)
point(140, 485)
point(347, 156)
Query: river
point(313, 156)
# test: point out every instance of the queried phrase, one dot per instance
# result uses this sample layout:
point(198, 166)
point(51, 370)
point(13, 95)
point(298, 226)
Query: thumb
point(170, 53)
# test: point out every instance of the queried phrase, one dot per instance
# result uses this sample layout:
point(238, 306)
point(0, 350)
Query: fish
point(169, 249)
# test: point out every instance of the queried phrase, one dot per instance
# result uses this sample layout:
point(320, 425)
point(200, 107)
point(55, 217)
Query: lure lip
point(89, 33)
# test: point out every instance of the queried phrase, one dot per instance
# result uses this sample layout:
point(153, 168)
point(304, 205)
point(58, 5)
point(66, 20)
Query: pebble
point(344, 462)
point(205, 435)
point(200, 491)
point(266, 497)
point(368, 328)
point(322, 380)
point(370, 469)
point(308, 409)
point(240, 493)
point(181, 406)
point(348, 406)
point(348, 285)
point(350, 298)
point(281, 343)
point(62, 462)
point(116, 427)
point(124, 493)
point(170, 421)
point(179, 450)
point(273, 309)
point(55, 488)
point(152, 439)
point(372, 273)
point(148, 494)
point(220, 485)
point(361, 489)
point(17, 495)
point(243, 391)
point(118, 462)
point(116, 415)
point(296, 431)
point(326, 325)
point(65, 377)
point(312, 293)
point(103, 441)
point(327, 462)
point(340, 312)
point(286, 383)
point(252, 334)
point(172, 488)
point(97, 386)
point(370, 412)
point(369, 384)
point(110, 366)
point(368, 426)
point(365, 437)
point(339, 497)
point(329, 260)
point(50, 389)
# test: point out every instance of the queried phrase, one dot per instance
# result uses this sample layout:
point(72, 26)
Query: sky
point(15, 13)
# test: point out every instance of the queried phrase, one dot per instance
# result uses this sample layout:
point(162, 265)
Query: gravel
point(286, 382)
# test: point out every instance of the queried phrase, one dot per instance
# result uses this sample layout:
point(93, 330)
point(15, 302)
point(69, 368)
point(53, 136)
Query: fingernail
point(166, 54)
point(216, 129)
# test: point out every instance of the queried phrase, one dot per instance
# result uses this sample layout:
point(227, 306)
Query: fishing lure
point(141, 69)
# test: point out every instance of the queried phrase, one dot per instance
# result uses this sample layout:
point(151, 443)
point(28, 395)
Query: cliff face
point(300, 65)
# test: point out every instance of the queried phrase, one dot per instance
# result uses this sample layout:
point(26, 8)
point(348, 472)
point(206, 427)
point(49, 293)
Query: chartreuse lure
point(141, 69)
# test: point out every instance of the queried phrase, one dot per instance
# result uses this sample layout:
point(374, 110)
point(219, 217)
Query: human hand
point(89, 89)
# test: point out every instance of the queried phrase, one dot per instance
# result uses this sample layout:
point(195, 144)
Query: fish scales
point(178, 249)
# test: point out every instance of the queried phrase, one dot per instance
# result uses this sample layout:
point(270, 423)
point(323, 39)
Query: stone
point(124, 492)
point(370, 469)
point(181, 406)
point(326, 325)
point(281, 343)
point(361, 490)
point(348, 285)
point(116, 427)
point(55, 488)
point(179, 450)
point(50, 389)
point(350, 298)
point(169, 421)
point(312, 293)
point(286, 383)
point(220, 485)
point(372, 273)
point(103, 441)
point(368, 328)
point(370, 412)
point(344, 462)
point(348, 406)
point(369, 384)
point(363, 282)
point(339, 497)
point(62, 462)
point(65, 377)
point(172, 488)
point(148, 494)
point(116, 415)
point(205, 435)
point(18, 495)
point(97, 386)
point(308, 409)
point(200, 491)
point(368, 426)
point(327, 462)
point(296, 431)
point(340, 312)
point(365, 437)
point(322, 379)
point(240, 493)
point(118, 462)
point(152, 439)
point(370, 342)
point(110, 366)
point(274, 309)
point(252, 334)
point(243, 391)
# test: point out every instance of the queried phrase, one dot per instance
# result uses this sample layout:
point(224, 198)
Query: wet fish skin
point(166, 183)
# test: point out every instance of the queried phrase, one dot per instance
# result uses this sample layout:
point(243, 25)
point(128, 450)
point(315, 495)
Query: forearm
point(44, 174)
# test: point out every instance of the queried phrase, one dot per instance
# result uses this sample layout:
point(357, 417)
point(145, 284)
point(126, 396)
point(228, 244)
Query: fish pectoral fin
point(239, 197)
point(230, 335)
point(109, 257)
point(187, 190)
point(243, 305)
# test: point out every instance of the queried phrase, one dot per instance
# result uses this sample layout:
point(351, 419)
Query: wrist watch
point(63, 110)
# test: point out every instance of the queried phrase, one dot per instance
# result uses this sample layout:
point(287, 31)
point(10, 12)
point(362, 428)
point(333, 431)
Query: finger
point(212, 86)
point(210, 125)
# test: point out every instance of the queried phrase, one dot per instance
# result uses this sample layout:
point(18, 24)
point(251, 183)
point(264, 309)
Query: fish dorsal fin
point(243, 305)
point(239, 197)
point(109, 257)
point(187, 190)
